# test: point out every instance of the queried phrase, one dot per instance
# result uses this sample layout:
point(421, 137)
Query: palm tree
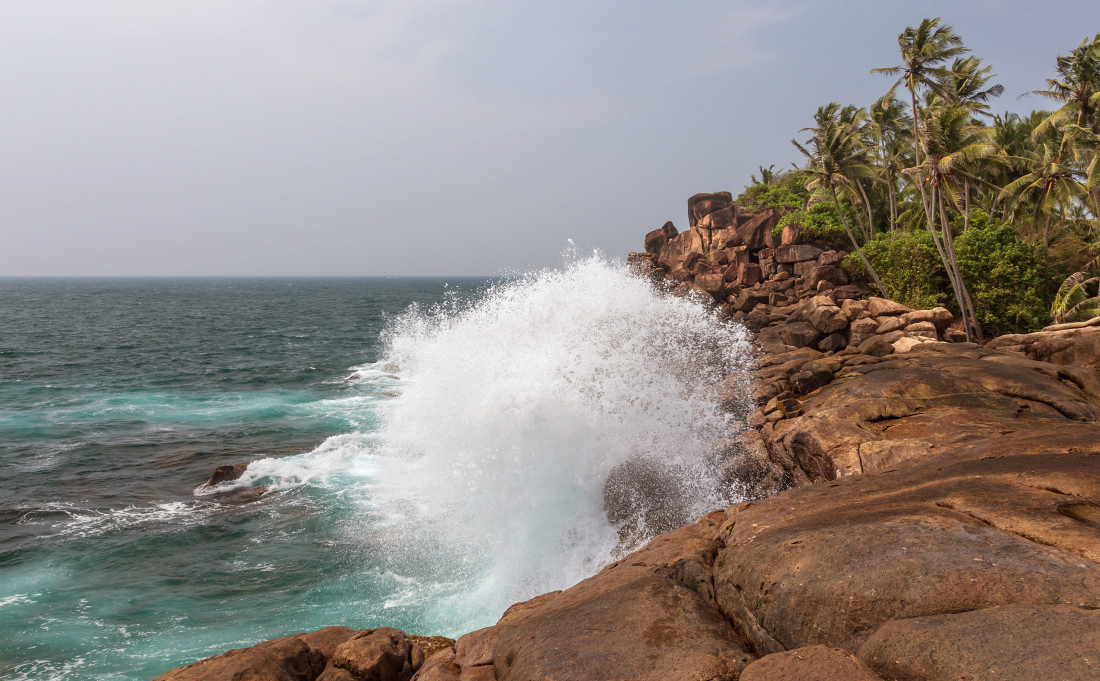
point(888, 123)
point(953, 146)
point(1073, 300)
point(1077, 87)
point(965, 84)
point(1051, 182)
point(768, 176)
point(837, 159)
point(923, 50)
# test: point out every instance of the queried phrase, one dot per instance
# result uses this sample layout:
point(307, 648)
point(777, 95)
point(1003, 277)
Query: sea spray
point(516, 412)
point(515, 442)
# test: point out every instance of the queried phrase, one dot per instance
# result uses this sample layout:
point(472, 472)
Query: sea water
point(424, 452)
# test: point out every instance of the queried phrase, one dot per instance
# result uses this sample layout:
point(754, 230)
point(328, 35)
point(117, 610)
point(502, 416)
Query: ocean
point(426, 451)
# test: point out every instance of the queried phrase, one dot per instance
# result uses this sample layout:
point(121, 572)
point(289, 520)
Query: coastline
point(922, 508)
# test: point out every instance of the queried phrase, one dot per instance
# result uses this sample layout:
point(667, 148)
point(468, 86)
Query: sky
point(426, 137)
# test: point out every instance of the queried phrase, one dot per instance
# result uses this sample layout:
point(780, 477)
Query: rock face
point(1060, 344)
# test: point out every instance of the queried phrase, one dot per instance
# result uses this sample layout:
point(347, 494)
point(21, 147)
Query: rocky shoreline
point(922, 508)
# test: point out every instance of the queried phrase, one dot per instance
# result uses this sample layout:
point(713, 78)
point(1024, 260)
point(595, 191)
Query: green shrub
point(788, 192)
point(1005, 279)
point(820, 223)
point(908, 265)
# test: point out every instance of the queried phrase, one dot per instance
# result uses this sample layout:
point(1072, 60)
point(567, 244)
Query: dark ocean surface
point(117, 399)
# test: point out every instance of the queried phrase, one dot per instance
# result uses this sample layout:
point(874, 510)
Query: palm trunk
point(859, 252)
point(949, 243)
point(966, 206)
point(955, 287)
point(870, 214)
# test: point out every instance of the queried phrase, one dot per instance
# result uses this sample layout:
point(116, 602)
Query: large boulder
point(702, 205)
point(754, 232)
point(834, 564)
point(679, 248)
point(649, 616)
point(656, 240)
point(905, 408)
point(384, 654)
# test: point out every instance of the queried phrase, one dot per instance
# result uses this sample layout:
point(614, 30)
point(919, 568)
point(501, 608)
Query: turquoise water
point(424, 452)
point(117, 398)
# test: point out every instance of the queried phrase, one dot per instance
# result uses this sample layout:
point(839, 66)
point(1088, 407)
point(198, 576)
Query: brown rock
point(430, 645)
point(711, 283)
point(852, 308)
point(881, 307)
point(888, 324)
point(283, 659)
point(832, 564)
point(754, 232)
point(226, 473)
point(797, 253)
point(813, 663)
point(832, 342)
point(922, 330)
point(875, 346)
point(828, 274)
point(384, 654)
point(831, 258)
point(679, 248)
point(719, 219)
point(645, 617)
point(1007, 643)
point(799, 334)
point(655, 241)
point(792, 234)
point(828, 319)
point(705, 204)
point(748, 274)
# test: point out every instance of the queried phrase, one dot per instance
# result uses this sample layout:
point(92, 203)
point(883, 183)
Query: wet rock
point(226, 473)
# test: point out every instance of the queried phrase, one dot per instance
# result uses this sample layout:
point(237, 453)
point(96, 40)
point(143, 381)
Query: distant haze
point(265, 137)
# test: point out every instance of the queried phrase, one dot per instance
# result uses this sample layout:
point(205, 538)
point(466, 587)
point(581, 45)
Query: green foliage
point(821, 224)
point(1005, 278)
point(785, 191)
point(909, 266)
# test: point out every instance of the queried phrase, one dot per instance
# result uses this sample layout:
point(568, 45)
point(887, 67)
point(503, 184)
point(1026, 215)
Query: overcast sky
point(266, 137)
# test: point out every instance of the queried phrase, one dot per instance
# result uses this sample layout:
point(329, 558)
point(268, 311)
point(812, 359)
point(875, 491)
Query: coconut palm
point(836, 159)
point(1073, 301)
point(923, 51)
point(888, 123)
point(965, 84)
point(954, 146)
point(1077, 88)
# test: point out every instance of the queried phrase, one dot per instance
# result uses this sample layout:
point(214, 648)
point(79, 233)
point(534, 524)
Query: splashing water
point(529, 437)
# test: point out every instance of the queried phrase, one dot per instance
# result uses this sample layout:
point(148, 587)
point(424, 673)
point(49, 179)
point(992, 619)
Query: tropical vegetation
point(941, 201)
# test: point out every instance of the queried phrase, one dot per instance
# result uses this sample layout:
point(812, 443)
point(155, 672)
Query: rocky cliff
point(925, 509)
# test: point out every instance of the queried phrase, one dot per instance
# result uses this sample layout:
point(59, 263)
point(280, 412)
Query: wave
point(529, 436)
